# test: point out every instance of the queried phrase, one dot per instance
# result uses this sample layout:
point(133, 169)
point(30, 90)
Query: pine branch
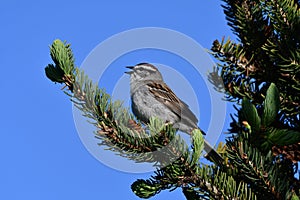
point(123, 134)
point(269, 52)
point(197, 181)
point(250, 150)
point(256, 169)
point(204, 183)
point(118, 129)
point(263, 148)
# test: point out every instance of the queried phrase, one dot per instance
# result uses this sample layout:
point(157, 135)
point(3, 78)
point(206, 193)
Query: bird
point(151, 96)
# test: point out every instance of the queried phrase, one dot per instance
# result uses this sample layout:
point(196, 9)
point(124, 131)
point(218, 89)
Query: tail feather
point(212, 154)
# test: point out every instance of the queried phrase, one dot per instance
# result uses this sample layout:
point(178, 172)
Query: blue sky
point(42, 154)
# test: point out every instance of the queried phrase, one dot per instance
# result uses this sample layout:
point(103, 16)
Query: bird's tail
point(212, 154)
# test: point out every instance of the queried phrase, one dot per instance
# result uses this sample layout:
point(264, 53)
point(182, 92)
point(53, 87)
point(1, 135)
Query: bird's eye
point(143, 73)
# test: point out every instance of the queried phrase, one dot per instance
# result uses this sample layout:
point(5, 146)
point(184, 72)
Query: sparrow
point(151, 96)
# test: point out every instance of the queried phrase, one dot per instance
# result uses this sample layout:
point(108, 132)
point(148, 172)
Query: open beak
point(129, 67)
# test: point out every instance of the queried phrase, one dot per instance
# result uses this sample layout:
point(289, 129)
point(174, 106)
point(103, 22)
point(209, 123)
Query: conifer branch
point(123, 134)
point(268, 52)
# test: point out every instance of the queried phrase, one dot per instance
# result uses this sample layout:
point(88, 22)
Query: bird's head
point(144, 72)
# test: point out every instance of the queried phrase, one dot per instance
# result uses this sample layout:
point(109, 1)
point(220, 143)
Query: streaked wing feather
point(166, 96)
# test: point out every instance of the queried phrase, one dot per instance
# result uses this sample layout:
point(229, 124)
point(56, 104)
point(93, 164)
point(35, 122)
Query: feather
point(166, 96)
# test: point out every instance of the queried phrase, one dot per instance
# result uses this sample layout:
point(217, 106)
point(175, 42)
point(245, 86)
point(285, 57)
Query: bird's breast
point(144, 106)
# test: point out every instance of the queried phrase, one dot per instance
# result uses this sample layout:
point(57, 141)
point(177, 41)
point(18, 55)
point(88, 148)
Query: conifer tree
point(261, 74)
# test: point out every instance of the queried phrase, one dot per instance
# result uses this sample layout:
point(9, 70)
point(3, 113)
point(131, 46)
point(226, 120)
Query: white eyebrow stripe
point(147, 67)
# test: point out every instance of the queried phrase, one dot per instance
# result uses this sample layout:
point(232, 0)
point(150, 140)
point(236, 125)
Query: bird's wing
point(165, 95)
